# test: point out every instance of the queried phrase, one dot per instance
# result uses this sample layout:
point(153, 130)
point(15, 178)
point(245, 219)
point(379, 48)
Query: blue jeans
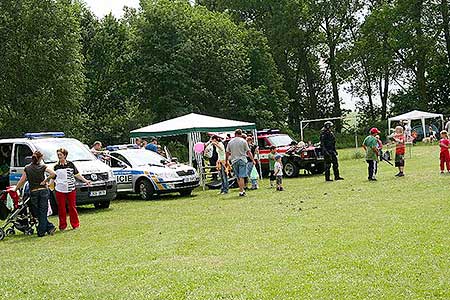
point(224, 177)
point(39, 208)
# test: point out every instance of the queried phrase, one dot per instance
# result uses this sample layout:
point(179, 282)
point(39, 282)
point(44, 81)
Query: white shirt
point(278, 169)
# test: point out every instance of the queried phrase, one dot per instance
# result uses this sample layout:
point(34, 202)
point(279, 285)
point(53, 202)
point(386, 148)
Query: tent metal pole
point(191, 148)
point(423, 128)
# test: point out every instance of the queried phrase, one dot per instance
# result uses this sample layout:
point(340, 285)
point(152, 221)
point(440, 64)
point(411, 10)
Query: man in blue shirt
point(153, 145)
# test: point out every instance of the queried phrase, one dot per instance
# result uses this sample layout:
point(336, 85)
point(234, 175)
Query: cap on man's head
point(328, 124)
point(374, 130)
point(97, 143)
point(278, 156)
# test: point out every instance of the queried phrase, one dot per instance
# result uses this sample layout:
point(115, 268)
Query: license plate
point(189, 179)
point(97, 193)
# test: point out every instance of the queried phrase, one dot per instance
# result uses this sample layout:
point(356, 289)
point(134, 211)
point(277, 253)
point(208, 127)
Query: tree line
point(273, 62)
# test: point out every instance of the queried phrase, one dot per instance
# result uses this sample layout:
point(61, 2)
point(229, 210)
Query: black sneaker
point(243, 194)
point(339, 178)
point(400, 174)
point(328, 179)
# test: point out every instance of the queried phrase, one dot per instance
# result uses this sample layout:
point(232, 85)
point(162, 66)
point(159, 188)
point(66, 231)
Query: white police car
point(16, 153)
point(147, 173)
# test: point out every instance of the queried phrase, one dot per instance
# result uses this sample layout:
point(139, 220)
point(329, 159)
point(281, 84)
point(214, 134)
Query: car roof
point(27, 140)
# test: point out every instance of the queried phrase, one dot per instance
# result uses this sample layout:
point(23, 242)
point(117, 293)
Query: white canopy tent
point(416, 115)
point(192, 125)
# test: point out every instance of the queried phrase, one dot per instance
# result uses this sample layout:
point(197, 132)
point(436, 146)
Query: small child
point(400, 149)
point(278, 172)
point(444, 155)
point(272, 154)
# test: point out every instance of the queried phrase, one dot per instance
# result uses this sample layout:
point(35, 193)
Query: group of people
point(373, 147)
point(63, 176)
point(238, 154)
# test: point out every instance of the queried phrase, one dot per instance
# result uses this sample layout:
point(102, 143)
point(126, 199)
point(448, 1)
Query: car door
point(21, 157)
point(5, 164)
point(122, 171)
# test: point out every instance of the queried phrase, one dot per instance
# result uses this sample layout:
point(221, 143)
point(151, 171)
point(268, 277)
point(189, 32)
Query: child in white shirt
point(278, 172)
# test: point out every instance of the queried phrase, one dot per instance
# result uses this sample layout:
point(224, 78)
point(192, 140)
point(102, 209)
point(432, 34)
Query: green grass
point(343, 240)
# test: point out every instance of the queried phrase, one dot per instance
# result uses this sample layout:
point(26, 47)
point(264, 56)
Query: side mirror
point(174, 160)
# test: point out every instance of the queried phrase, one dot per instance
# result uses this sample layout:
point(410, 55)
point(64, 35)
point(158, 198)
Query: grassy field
point(342, 240)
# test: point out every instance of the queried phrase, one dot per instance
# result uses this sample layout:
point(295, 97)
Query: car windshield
point(144, 157)
point(77, 151)
point(280, 140)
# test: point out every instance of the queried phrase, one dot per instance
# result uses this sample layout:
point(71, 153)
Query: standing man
point(447, 125)
point(371, 145)
point(328, 144)
point(238, 151)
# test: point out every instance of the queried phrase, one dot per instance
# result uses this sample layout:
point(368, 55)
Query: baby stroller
point(19, 218)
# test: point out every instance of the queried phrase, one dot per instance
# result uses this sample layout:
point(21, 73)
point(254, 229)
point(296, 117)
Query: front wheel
point(10, 232)
point(186, 193)
point(102, 204)
point(290, 169)
point(145, 189)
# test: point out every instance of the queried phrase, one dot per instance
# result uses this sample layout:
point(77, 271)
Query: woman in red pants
point(66, 172)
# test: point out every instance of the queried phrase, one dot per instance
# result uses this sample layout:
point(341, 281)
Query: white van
point(16, 154)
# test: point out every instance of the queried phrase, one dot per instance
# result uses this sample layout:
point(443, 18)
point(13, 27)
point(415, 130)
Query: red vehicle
point(295, 157)
point(272, 137)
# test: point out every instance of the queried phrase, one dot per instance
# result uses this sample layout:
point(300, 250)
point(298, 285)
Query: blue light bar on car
point(40, 135)
point(121, 147)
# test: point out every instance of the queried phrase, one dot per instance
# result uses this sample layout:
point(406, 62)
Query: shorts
point(272, 175)
point(399, 160)
point(240, 168)
point(279, 180)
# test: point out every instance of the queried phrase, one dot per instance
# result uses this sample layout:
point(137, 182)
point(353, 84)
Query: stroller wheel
point(2, 234)
point(10, 231)
point(29, 231)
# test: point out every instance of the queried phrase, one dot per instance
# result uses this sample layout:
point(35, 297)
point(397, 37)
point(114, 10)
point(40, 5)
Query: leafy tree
point(40, 66)
point(193, 60)
point(111, 106)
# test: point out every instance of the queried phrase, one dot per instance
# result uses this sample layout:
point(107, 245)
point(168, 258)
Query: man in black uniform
point(328, 144)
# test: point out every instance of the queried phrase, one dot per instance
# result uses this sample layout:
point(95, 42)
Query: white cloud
point(104, 7)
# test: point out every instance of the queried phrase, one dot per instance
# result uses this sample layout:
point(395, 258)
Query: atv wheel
point(290, 169)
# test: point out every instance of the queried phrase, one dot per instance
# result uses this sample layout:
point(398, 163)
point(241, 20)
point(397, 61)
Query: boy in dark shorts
point(399, 139)
point(272, 154)
point(278, 172)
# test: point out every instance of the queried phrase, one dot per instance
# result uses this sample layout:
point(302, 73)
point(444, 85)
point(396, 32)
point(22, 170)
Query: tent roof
point(415, 115)
point(190, 123)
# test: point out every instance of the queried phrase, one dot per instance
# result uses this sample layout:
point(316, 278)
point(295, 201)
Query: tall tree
point(40, 66)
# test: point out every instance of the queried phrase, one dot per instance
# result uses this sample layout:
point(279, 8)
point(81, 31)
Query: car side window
point(116, 163)
point(21, 153)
